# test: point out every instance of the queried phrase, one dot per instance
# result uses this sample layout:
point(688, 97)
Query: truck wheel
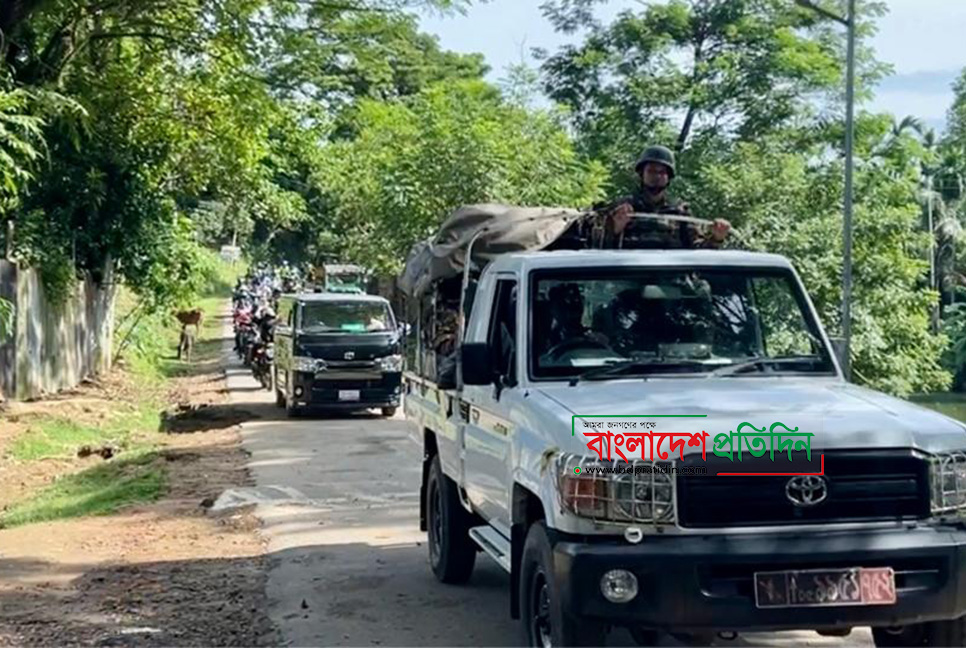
point(388, 412)
point(545, 622)
point(452, 553)
point(936, 633)
point(647, 636)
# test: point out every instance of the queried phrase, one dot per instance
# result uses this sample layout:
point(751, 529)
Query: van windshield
point(622, 322)
point(346, 317)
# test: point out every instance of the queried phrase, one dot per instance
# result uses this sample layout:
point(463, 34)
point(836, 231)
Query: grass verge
point(100, 490)
point(131, 423)
point(55, 437)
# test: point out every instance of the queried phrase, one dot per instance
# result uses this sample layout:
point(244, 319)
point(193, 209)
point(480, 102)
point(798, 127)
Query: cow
point(186, 342)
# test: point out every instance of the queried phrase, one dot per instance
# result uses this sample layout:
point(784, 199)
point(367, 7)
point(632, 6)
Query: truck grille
point(862, 487)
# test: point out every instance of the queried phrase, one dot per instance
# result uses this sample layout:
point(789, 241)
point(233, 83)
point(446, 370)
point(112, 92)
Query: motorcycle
point(263, 355)
point(247, 337)
point(244, 328)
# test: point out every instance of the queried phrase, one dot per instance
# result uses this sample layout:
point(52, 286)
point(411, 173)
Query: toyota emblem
point(349, 355)
point(806, 490)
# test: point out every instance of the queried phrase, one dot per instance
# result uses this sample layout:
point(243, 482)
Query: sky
point(924, 40)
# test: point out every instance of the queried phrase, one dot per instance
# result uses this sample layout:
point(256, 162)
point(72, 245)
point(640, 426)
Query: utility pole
point(849, 23)
point(934, 311)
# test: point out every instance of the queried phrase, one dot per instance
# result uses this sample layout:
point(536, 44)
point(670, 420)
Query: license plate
point(825, 587)
point(348, 394)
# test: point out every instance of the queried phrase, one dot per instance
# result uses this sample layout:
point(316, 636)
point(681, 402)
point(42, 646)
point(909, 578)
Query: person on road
point(656, 169)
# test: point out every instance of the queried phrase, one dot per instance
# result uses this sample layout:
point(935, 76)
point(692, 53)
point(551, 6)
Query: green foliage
point(954, 328)
point(413, 161)
point(147, 338)
point(194, 109)
point(21, 141)
point(784, 204)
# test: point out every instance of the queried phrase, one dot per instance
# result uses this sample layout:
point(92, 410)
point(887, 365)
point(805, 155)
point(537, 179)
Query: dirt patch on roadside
point(162, 574)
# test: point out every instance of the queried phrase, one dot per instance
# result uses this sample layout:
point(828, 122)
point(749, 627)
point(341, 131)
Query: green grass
point(55, 437)
point(99, 490)
point(136, 474)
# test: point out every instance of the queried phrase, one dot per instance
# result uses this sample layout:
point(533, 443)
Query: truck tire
point(388, 412)
point(935, 633)
point(648, 637)
point(541, 608)
point(452, 553)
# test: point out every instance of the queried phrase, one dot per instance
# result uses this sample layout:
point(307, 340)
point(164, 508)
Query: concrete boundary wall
point(54, 347)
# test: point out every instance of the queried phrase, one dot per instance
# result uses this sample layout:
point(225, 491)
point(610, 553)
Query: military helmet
point(659, 154)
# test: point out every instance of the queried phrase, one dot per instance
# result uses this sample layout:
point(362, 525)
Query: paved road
point(339, 503)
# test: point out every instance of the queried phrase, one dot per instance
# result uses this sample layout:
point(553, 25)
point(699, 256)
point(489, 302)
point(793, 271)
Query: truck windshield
point(346, 317)
point(682, 321)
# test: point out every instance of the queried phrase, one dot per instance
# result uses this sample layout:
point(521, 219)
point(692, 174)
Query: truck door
point(487, 436)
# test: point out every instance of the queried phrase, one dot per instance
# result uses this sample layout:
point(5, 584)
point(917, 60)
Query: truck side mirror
point(475, 364)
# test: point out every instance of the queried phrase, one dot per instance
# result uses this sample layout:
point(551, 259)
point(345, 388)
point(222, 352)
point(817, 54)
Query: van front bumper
point(382, 390)
point(695, 583)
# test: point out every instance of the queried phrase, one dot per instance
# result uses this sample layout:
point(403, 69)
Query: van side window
point(503, 331)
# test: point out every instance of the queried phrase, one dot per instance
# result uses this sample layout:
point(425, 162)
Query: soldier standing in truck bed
point(656, 169)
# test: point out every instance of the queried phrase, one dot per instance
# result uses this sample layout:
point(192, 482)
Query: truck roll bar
point(461, 320)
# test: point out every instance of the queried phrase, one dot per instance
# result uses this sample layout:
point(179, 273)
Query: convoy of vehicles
point(877, 539)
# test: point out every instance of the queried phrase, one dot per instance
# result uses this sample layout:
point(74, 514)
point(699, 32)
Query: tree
point(193, 104)
point(690, 73)
point(785, 199)
point(415, 160)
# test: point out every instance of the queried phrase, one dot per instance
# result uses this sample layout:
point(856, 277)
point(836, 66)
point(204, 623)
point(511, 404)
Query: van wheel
point(545, 622)
point(389, 412)
point(291, 409)
point(279, 395)
point(452, 553)
point(936, 633)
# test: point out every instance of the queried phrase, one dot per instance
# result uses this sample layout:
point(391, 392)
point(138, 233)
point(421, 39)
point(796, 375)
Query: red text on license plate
point(825, 587)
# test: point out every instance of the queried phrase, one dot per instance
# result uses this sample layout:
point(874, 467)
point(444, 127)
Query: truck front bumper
point(693, 583)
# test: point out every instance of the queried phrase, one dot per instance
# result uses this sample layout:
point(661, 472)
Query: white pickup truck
point(877, 538)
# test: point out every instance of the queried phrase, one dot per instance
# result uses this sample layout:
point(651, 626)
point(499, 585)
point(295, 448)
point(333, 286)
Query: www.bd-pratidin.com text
point(641, 469)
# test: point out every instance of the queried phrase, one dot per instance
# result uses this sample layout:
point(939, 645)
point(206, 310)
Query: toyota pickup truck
point(876, 538)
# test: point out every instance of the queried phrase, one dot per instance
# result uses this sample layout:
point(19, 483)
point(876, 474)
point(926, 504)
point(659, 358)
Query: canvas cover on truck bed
point(500, 229)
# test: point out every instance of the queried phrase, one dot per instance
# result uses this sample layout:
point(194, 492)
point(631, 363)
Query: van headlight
point(307, 365)
point(391, 364)
point(635, 492)
point(947, 484)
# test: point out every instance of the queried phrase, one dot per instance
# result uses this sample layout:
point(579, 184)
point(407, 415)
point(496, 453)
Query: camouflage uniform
point(651, 233)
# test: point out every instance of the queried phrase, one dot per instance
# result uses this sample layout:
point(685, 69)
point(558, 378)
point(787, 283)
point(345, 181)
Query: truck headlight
point(391, 364)
point(639, 491)
point(307, 365)
point(947, 484)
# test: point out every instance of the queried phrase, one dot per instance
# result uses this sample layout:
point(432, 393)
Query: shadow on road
point(204, 418)
point(217, 602)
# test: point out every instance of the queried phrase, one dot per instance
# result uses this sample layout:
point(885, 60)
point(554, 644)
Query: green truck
point(341, 278)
